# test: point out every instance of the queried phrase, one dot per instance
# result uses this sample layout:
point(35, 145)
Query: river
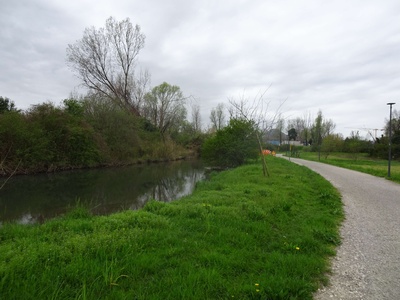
point(35, 198)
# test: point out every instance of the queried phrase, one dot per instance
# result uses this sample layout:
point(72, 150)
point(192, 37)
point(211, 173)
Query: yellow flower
point(297, 248)
point(257, 284)
point(257, 291)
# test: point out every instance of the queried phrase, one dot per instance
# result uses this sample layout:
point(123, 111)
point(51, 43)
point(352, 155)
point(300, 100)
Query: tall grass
point(238, 236)
point(361, 162)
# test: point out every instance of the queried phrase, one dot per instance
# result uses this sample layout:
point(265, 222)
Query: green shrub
point(232, 145)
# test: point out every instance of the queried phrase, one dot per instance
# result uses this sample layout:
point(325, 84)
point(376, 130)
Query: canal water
point(36, 198)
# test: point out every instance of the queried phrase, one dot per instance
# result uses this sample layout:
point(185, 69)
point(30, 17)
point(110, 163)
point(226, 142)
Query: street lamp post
point(390, 137)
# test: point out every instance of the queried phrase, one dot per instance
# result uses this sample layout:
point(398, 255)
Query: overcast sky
point(341, 56)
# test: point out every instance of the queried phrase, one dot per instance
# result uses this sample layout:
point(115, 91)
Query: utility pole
point(390, 137)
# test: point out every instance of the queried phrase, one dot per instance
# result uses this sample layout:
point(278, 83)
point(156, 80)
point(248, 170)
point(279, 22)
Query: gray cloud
point(342, 57)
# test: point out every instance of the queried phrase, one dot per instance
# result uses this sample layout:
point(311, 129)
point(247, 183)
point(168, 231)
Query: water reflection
point(30, 199)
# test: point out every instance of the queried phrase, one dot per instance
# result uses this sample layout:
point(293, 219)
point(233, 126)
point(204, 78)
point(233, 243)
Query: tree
point(316, 134)
point(320, 129)
point(306, 122)
point(353, 144)
point(217, 117)
point(302, 125)
point(46, 138)
point(117, 130)
point(104, 59)
point(165, 106)
point(297, 125)
point(258, 114)
point(396, 135)
point(6, 105)
point(13, 136)
point(232, 145)
point(328, 127)
point(280, 124)
point(332, 143)
point(196, 118)
point(64, 138)
point(74, 107)
point(316, 131)
point(395, 127)
point(292, 134)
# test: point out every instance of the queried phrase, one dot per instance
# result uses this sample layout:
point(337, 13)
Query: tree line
point(318, 135)
point(236, 141)
point(122, 119)
point(87, 132)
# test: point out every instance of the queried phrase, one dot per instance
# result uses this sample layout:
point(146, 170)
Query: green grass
point(361, 162)
point(238, 236)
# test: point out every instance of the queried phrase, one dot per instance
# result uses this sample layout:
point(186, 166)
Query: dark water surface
point(33, 198)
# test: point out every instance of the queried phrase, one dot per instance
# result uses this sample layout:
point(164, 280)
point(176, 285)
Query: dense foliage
point(6, 105)
point(164, 107)
point(232, 145)
point(318, 136)
point(45, 138)
point(80, 133)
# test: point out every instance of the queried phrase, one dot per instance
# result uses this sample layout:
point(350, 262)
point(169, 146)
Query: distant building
point(278, 138)
point(275, 137)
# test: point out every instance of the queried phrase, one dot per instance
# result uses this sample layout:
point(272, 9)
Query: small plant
point(79, 211)
point(111, 273)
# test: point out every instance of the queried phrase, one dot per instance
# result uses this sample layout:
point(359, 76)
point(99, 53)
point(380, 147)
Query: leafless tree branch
point(104, 59)
point(256, 111)
point(12, 173)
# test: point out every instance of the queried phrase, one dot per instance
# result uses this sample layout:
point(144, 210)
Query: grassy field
point(361, 162)
point(238, 236)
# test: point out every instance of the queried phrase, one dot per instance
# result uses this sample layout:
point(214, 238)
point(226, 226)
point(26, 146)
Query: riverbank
point(183, 155)
point(34, 198)
point(84, 134)
point(239, 235)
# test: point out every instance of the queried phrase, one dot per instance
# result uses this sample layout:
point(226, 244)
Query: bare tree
point(328, 126)
point(306, 124)
point(140, 88)
point(280, 125)
point(4, 172)
point(217, 117)
point(196, 118)
point(165, 106)
point(256, 111)
point(104, 59)
point(322, 127)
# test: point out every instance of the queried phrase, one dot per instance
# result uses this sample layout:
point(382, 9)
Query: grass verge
point(361, 162)
point(238, 236)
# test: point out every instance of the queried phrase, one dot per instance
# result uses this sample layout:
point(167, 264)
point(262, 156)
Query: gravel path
point(367, 265)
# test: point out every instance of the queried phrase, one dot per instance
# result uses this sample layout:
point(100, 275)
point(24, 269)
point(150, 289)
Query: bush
point(45, 138)
point(67, 140)
point(232, 145)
